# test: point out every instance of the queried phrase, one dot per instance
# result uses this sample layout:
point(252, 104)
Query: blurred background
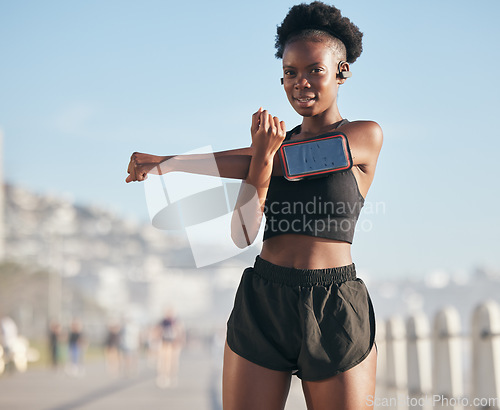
point(86, 83)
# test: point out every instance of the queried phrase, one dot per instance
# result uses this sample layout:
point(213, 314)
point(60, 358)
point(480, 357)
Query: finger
point(272, 125)
point(257, 113)
point(283, 128)
point(276, 122)
point(130, 167)
point(131, 173)
point(131, 177)
point(256, 120)
point(264, 119)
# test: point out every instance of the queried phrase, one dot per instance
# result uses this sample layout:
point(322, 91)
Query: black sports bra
point(326, 207)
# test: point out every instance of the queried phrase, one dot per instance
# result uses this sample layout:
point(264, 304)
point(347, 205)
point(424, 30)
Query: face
point(310, 77)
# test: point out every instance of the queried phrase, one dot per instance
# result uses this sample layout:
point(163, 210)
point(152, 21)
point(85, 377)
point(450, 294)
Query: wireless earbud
point(344, 74)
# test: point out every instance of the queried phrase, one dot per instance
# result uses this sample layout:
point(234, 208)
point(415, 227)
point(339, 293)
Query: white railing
point(438, 367)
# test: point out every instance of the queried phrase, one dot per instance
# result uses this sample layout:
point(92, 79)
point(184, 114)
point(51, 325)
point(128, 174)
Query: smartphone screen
point(315, 157)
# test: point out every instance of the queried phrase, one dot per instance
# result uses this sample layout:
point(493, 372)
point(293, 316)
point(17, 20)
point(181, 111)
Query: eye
point(317, 70)
point(288, 73)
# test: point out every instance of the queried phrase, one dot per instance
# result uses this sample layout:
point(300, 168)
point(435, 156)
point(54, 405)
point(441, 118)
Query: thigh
point(350, 390)
point(248, 386)
point(164, 353)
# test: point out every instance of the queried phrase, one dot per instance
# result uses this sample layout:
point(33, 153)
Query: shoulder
point(363, 132)
point(365, 140)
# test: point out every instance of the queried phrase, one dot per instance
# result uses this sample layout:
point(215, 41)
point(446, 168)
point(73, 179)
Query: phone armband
point(312, 158)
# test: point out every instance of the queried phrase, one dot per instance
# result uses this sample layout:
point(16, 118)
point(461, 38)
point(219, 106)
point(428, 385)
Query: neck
point(321, 123)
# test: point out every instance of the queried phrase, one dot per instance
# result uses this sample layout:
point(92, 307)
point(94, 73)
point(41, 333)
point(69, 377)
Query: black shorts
point(315, 323)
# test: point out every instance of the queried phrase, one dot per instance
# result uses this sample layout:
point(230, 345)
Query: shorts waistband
point(303, 277)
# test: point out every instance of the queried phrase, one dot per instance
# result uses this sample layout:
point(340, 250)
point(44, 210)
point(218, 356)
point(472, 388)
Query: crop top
point(325, 207)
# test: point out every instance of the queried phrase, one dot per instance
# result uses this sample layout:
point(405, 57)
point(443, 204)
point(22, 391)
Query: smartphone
point(315, 157)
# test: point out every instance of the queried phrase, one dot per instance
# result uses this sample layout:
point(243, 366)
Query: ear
point(343, 71)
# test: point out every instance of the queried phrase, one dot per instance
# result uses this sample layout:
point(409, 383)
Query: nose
point(301, 82)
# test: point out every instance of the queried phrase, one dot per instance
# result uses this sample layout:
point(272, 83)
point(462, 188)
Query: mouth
point(305, 101)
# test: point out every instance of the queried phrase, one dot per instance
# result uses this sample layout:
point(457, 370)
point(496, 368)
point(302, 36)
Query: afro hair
point(320, 16)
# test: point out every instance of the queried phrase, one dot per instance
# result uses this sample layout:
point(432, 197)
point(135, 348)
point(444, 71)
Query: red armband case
point(315, 157)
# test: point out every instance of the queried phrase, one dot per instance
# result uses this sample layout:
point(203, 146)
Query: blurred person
point(8, 341)
point(76, 347)
point(112, 349)
point(171, 339)
point(55, 340)
point(152, 345)
point(130, 342)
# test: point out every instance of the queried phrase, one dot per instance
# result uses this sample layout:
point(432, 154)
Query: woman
point(300, 309)
point(171, 336)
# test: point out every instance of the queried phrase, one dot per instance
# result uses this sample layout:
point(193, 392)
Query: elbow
point(239, 230)
point(240, 237)
point(240, 244)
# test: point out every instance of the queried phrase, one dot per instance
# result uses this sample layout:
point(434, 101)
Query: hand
point(267, 133)
point(141, 164)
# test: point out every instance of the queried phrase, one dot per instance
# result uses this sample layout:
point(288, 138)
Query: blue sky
point(86, 83)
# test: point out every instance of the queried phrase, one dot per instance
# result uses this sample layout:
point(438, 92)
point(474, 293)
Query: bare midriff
point(306, 252)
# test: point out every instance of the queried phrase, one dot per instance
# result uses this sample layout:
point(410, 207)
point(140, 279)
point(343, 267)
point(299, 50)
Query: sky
point(86, 83)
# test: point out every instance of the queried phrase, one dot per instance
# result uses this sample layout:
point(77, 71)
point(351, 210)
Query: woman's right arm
point(227, 164)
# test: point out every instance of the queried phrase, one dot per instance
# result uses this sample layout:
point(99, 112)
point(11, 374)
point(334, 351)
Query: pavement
point(197, 388)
